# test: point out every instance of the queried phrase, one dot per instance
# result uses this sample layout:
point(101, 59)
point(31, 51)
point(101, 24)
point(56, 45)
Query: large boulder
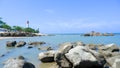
point(61, 60)
point(11, 43)
point(17, 63)
point(47, 56)
point(78, 54)
point(20, 44)
point(116, 64)
point(65, 47)
point(111, 61)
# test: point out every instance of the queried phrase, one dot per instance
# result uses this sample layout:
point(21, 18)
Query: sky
point(63, 16)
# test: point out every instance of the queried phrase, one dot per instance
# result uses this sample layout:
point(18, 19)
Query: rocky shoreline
point(80, 55)
point(69, 55)
point(19, 34)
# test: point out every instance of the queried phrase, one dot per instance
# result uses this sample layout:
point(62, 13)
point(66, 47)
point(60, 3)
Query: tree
point(18, 28)
point(6, 26)
point(1, 22)
point(30, 30)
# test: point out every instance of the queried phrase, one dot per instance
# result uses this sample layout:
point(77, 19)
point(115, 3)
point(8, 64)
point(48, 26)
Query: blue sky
point(63, 16)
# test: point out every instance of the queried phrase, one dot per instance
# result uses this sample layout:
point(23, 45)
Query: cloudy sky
point(63, 16)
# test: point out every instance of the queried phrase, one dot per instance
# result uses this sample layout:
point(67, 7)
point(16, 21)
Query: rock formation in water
point(80, 55)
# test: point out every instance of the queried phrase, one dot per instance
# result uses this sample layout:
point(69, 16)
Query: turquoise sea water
point(53, 41)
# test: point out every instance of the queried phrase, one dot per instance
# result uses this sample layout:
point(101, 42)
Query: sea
point(53, 41)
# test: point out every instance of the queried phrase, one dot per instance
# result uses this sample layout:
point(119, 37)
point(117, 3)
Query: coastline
point(1, 38)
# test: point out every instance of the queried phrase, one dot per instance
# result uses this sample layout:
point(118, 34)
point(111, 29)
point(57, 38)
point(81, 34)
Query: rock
point(36, 43)
point(116, 64)
point(112, 60)
point(21, 57)
point(61, 60)
point(20, 44)
point(92, 46)
point(88, 64)
point(28, 65)
point(65, 47)
point(87, 34)
point(29, 47)
point(78, 54)
point(17, 63)
point(45, 48)
point(2, 55)
point(110, 47)
point(47, 56)
point(79, 43)
point(11, 43)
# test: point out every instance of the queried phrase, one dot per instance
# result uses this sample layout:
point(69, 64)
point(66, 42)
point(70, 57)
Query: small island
point(93, 33)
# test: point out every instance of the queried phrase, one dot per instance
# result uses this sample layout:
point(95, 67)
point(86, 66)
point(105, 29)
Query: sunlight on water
point(53, 41)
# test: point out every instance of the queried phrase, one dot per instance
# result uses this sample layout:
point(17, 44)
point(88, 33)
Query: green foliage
point(30, 30)
point(18, 28)
point(36, 31)
point(6, 26)
point(1, 22)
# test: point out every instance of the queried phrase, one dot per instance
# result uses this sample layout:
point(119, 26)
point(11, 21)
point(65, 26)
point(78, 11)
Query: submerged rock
point(45, 48)
point(29, 47)
point(20, 44)
point(36, 43)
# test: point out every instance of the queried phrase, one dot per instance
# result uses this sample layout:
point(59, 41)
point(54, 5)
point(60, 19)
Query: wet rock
point(11, 43)
point(29, 47)
point(47, 56)
point(2, 55)
point(36, 43)
point(21, 57)
point(45, 48)
point(78, 54)
point(20, 44)
point(17, 63)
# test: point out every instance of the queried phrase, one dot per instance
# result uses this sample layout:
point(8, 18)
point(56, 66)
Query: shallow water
point(53, 41)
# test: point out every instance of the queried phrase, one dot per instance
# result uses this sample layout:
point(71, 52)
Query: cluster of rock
point(18, 34)
point(18, 62)
point(98, 34)
point(22, 43)
point(80, 55)
point(15, 44)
